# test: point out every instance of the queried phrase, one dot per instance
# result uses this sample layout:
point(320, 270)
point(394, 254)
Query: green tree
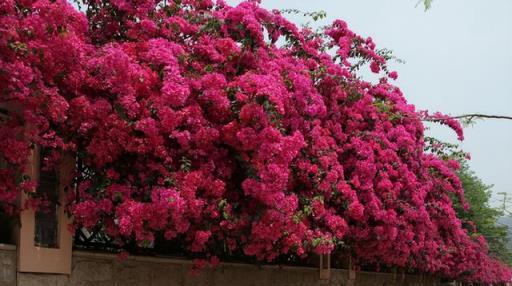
point(426, 3)
point(485, 217)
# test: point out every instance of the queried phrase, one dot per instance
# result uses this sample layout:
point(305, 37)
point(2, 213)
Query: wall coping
point(8, 247)
point(175, 260)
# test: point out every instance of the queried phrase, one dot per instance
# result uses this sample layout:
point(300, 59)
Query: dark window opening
point(6, 224)
point(6, 219)
point(46, 219)
point(4, 114)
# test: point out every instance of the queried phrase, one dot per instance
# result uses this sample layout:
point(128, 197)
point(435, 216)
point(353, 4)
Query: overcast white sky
point(458, 60)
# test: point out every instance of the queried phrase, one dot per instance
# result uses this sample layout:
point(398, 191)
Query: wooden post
point(351, 273)
point(325, 266)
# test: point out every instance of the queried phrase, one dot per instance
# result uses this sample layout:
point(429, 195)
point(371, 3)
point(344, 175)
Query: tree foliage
point(427, 4)
point(482, 219)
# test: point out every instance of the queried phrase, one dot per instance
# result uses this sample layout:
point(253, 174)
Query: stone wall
point(7, 265)
point(96, 269)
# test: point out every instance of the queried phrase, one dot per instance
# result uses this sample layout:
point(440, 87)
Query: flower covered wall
point(216, 125)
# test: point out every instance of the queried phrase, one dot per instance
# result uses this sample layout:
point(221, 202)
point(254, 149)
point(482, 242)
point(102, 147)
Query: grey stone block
point(91, 271)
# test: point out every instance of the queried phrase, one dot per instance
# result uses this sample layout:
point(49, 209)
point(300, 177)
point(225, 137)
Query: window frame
point(39, 259)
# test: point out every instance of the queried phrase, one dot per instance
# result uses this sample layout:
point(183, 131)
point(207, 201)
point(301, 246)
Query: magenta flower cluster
point(228, 126)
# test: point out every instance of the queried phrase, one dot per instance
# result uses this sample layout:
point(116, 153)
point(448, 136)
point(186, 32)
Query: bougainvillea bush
point(228, 129)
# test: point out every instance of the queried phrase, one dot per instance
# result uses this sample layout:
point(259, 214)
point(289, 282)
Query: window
point(45, 243)
point(47, 223)
point(6, 223)
point(4, 114)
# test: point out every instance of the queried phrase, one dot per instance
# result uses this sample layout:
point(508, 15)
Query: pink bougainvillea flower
point(230, 130)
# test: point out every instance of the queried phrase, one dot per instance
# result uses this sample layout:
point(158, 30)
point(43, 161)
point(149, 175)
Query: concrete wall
point(7, 265)
point(95, 269)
